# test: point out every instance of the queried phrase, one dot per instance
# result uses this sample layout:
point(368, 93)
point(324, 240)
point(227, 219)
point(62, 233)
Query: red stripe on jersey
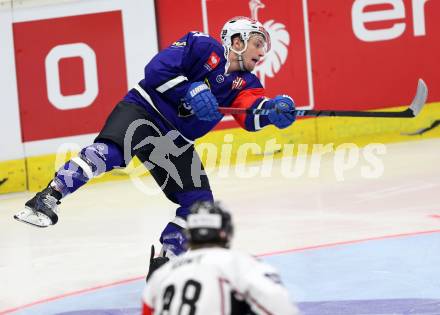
point(147, 310)
point(222, 295)
point(246, 99)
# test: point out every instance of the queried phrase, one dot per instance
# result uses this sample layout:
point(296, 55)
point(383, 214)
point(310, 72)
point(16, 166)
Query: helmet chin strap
point(240, 62)
point(240, 55)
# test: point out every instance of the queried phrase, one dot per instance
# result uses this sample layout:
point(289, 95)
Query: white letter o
point(85, 99)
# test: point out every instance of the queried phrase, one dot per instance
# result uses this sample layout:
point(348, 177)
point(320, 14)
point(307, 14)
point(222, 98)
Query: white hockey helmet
point(244, 26)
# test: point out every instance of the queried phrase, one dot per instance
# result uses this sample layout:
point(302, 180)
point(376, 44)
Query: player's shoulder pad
point(201, 40)
point(201, 46)
point(181, 42)
point(204, 41)
point(201, 37)
point(243, 256)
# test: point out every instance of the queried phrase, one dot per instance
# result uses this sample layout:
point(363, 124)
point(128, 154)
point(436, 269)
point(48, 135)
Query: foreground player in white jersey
point(212, 279)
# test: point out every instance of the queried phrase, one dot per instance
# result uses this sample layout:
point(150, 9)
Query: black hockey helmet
point(209, 223)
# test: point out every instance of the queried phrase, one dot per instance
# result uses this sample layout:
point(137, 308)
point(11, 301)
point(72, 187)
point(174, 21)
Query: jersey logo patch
point(238, 83)
point(212, 62)
point(220, 79)
point(179, 44)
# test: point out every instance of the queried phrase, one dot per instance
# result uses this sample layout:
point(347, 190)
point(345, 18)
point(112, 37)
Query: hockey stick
point(412, 111)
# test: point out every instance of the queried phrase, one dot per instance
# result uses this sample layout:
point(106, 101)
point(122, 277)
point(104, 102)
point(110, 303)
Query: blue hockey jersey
point(193, 58)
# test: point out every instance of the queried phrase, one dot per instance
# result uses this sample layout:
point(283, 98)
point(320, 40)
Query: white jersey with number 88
point(216, 281)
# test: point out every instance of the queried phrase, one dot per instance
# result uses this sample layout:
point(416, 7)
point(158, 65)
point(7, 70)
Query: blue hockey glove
point(173, 240)
point(203, 102)
point(283, 114)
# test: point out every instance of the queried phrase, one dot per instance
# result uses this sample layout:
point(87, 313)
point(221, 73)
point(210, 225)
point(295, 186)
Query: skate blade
point(33, 218)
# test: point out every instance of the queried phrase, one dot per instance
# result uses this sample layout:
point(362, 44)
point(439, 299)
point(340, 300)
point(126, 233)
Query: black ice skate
point(41, 211)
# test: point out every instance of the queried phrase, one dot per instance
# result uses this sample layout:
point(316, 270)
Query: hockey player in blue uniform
point(177, 101)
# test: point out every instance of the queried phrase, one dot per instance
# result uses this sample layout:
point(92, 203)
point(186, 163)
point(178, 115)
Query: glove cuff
point(199, 88)
point(264, 119)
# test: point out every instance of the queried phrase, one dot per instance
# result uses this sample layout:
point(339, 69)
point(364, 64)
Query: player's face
point(255, 51)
